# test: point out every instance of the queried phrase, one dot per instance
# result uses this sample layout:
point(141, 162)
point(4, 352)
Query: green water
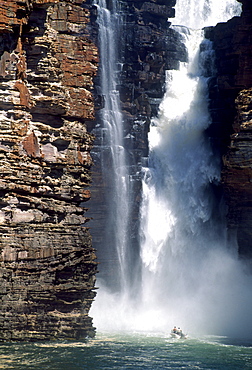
point(130, 351)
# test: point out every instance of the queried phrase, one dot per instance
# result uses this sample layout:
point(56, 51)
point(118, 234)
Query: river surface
point(130, 351)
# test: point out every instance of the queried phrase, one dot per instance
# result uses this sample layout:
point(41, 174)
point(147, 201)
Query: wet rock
point(231, 97)
point(147, 48)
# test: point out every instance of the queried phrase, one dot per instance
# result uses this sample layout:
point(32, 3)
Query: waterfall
point(113, 155)
point(203, 13)
point(190, 276)
point(182, 227)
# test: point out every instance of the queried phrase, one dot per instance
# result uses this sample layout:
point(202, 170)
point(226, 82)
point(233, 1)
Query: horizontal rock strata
point(231, 107)
point(47, 263)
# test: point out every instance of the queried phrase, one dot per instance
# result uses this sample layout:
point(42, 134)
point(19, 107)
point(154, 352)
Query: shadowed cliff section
point(47, 263)
point(146, 48)
point(231, 106)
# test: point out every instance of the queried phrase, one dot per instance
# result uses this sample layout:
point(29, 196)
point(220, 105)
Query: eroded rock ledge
point(47, 263)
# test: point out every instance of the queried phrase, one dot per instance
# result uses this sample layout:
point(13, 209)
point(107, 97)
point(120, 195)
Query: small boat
point(174, 335)
point(177, 333)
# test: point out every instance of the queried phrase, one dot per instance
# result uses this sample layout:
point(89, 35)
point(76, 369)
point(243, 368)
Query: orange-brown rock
point(13, 13)
point(47, 263)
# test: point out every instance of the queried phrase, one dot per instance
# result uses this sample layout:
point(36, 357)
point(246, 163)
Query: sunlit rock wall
point(47, 263)
point(231, 104)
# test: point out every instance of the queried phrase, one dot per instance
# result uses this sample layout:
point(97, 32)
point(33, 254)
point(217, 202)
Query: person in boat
point(174, 330)
point(178, 332)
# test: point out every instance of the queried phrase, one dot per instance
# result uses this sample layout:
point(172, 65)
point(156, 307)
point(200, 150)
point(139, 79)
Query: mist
point(190, 274)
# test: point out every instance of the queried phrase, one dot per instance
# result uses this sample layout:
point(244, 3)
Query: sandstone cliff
point(231, 105)
point(47, 263)
point(48, 62)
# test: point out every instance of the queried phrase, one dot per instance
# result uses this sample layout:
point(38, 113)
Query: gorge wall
point(47, 263)
point(231, 106)
point(48, 67)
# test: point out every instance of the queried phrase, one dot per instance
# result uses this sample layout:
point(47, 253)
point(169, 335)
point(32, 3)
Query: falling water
point(113, 155)
point(202, 13)
point(190, 275)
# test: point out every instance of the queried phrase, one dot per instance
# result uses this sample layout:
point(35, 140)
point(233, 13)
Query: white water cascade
point(202, 13)
point(190, 277)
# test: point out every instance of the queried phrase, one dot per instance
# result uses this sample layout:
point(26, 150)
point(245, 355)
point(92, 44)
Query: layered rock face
point(47, 263)
point(48, 62)
point(231, 104)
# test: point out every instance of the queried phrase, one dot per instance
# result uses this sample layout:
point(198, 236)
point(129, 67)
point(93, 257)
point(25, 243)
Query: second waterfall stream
point(189, 275)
